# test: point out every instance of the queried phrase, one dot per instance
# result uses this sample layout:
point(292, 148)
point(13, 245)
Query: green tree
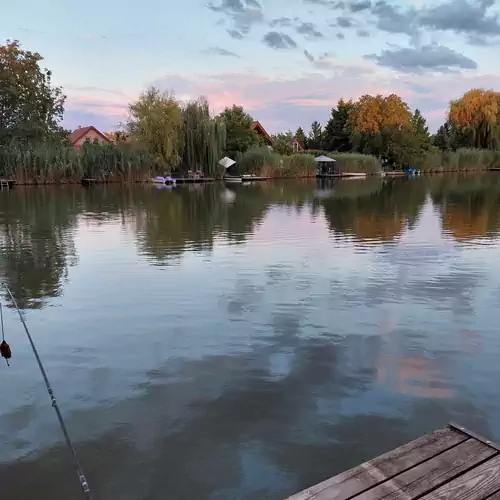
point(239, 133)
point(420, 130)
point(442, 138)
point(204, 138)
point(283, 143)
point(315, 136)
point(300, 135)
point(337, 134)
point(156, 123)
point(30, 107)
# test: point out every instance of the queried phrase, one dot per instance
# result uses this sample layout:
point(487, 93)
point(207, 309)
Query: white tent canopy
point(226, 162)
point(324, 158)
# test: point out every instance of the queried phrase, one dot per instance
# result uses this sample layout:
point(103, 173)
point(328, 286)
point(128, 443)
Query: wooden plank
point(384, 467)
point(431, 474)
point(477, 484)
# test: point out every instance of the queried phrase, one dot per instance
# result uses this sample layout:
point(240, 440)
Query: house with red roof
point(87, 134)
point(262, 132)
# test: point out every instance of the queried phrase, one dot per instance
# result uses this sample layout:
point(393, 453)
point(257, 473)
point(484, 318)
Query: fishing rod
point(81, 476)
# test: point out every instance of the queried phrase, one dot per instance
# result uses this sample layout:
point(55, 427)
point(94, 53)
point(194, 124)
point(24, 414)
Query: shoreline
point(347, 175)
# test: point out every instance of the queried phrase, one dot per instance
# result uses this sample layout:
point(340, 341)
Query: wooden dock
point(193, 180)
point(6, 184)
point(451, 463)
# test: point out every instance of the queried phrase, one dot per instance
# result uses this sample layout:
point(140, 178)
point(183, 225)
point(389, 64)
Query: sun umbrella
point(226, 162)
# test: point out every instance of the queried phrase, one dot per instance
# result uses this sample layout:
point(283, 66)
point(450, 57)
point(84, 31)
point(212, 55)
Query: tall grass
point(266, 163)
point(462, 160)
point(59, 163)
point(356, 162)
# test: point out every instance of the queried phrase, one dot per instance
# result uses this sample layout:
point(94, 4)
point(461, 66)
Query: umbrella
point(226, 162)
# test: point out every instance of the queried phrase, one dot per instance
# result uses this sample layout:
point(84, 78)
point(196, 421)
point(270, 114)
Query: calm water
point(243, 343)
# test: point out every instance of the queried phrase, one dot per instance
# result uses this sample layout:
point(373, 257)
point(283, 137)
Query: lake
point(243, 342)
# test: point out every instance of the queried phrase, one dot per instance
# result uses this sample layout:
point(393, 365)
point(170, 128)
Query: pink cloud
point(286, 103)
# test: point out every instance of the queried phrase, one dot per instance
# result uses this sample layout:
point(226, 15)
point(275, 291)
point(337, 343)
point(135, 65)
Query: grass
point(266, 163)
point(49, 164)
point(462, 160)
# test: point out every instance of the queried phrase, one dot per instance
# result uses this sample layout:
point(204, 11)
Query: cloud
point(281, 22)
point(363, 33)
point(243, 13)
point(309, 29)
point(426, 58)
point(236, 34)
point(394, 19)
point(344, 22)
point(219, 51)
point(309, 56)
point(360, 5)
point(462, 16)
point(340, 36)
point(277, 40)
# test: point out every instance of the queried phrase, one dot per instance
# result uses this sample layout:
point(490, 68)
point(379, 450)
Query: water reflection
point(221, 342)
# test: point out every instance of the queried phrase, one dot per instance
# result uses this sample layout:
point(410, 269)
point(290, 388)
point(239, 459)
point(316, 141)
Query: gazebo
point(326, 166)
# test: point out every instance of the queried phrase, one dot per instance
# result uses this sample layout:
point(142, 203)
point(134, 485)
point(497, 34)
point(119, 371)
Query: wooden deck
point(193, 180)
point(451, 463)
point(7, 184)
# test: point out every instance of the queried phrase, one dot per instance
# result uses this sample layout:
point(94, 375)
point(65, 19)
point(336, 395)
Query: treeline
point(164, 135)
point(386, 127)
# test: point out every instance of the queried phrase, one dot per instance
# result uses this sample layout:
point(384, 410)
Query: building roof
point(257, 126)
point(82, 131)
point(325, 159)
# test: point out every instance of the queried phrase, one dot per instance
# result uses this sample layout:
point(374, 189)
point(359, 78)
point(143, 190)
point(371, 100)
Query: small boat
point(232, 179)
point(252, 177)
point(412, 171)
point(163, 180)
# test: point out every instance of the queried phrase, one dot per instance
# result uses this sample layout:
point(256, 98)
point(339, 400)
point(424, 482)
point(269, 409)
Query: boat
point(252, 177)
point(232, 179)
point(163, 180)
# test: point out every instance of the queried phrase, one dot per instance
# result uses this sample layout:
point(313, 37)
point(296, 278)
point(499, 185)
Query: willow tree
point(155, 123)
point(476, 117)
point(204, 138)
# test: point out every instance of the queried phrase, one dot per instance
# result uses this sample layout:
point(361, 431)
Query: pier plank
point(477, 484)
point(431, 474)
point(355, 481)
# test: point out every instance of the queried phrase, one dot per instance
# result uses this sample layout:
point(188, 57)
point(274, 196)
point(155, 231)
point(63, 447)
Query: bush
point(263, 162)
point(357, 162)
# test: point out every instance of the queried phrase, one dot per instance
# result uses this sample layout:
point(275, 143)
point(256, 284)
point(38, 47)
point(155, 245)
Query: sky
point(287, 62)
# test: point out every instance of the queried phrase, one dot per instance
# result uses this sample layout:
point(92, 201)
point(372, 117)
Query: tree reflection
point(469, 205)
point(36, 239)
point(374, 209)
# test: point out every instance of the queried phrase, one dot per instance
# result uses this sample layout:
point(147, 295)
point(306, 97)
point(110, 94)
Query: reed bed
point(263, 162)
point(461, 160)
point(52, 164)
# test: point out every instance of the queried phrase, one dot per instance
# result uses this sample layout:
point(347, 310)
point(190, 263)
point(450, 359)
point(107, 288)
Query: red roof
point(81, 132)
point(257, 126)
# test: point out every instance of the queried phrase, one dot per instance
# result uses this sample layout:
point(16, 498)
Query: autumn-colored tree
point(30, 107)
point(373, 114)
point(477, 116)
point(381, 126)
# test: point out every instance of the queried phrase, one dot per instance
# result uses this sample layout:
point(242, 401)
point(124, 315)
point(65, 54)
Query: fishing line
point(81, 476)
